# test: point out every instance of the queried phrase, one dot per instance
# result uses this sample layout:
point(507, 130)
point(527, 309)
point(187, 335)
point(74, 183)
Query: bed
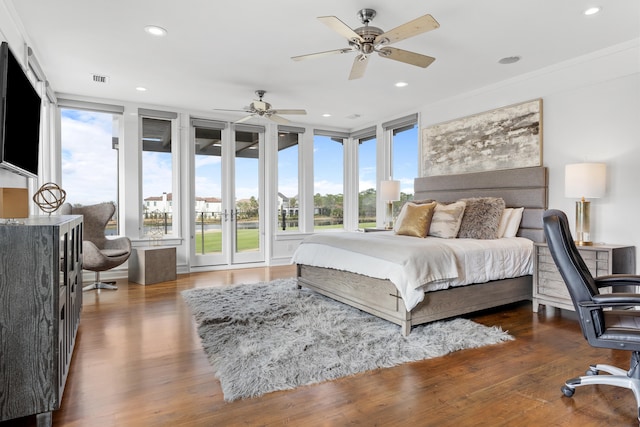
point(525, 187)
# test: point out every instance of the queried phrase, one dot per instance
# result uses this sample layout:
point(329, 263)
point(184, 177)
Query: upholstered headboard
point(524, 187)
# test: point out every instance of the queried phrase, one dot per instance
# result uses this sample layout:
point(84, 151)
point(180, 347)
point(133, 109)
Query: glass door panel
point(209, 215)
point(228, 194)
point(247, 190)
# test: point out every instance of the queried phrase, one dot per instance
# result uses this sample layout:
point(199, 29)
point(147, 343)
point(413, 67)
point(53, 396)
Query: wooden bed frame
point(525, 187)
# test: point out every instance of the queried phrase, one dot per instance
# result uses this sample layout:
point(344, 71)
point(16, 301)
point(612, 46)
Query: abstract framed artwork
point(505, 138)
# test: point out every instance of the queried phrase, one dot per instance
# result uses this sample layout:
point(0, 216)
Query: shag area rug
point(272, 336)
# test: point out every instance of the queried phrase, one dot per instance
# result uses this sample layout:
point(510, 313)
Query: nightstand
point(550, 289)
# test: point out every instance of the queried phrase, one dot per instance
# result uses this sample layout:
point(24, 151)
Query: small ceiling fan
point(261, 108)
point(367, 40)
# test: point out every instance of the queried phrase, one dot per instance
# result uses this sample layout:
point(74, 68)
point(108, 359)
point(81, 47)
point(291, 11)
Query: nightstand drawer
point(552, 285)
point(550, 289)
point(597, 261)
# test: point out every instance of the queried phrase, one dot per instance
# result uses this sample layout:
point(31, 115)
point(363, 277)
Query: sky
point(89, 164)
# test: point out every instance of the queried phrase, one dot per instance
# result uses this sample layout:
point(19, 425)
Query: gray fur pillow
point(481, 218)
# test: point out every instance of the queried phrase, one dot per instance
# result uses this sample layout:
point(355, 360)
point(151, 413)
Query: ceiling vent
point(97, 78)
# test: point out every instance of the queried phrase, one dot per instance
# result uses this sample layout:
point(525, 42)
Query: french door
point(228, 213)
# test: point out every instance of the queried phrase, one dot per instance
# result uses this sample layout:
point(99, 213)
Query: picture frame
point(504, 138)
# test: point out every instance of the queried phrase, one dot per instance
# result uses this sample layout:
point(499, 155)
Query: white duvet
point(417, 265)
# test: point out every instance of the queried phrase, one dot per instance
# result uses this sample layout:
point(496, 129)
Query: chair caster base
point(100, 285)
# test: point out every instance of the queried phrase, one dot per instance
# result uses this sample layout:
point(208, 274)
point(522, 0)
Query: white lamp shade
point(389, 190)
point(586, 180)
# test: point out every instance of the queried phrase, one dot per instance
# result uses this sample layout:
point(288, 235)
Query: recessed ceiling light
point(592, 10)
point(326, 115)
point(155, 30)
point(509, 60)
point(141, 89)
point(402, 84)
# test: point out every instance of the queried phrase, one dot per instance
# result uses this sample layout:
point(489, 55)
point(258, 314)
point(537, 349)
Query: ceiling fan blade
point(339, 27)
point(246, 110)
point(244, 119)
point(289, 111)
point(412, 28)
point(407, 57)
point(359, 67)
point(319, 54)
point(278, 119)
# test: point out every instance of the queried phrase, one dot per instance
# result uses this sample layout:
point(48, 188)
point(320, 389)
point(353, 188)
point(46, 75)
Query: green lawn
point(248, 239)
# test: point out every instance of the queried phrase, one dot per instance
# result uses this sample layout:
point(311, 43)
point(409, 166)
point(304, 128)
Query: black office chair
point(616, 328)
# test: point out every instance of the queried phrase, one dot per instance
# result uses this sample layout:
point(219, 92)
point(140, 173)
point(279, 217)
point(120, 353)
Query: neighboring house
point(208, 207)
point(163, 204)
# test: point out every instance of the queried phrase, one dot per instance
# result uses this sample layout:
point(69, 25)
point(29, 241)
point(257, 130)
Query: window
point(89, 147)
point(288, 179)
point(328, 180)
point(157, 172)
point(367, 178)
point(404, 155)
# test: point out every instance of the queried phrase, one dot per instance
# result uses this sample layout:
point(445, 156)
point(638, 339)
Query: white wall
point(591, 112)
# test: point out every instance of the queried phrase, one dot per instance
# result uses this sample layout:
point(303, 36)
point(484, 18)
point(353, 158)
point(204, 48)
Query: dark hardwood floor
point(138, 362)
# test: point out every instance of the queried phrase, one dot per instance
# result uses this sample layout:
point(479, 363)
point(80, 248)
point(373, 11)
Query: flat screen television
point(20, 107)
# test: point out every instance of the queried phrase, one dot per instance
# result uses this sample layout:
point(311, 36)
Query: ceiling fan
point(367, 40)
point(261, 108)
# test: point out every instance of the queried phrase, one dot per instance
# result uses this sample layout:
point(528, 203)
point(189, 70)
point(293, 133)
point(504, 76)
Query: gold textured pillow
point(416, 220)
point(398, 221)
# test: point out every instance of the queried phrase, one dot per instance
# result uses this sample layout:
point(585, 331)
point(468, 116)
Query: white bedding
point(417, 265)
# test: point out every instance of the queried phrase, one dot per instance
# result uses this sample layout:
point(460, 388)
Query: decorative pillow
point(481, 218)
point(417, 219)
point(446, 220)
point(514, 223)
point(504, 220)
point(396, 224)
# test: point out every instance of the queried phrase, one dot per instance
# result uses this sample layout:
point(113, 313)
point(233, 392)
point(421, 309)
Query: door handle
point(225, 214)
point(232, 214)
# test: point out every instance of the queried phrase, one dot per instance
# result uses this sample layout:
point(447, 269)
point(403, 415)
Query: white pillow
point(446, 220)
point(514, 222)
point(504, 221)
point(398, 221)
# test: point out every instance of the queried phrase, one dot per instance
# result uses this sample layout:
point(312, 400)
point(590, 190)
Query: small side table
point(601, 259)
point(152, 264)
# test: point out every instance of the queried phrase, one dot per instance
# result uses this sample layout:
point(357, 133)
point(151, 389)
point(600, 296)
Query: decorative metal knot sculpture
point(49, 197)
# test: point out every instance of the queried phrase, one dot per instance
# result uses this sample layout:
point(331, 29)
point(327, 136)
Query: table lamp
point(584, 180)
point(389, 193)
